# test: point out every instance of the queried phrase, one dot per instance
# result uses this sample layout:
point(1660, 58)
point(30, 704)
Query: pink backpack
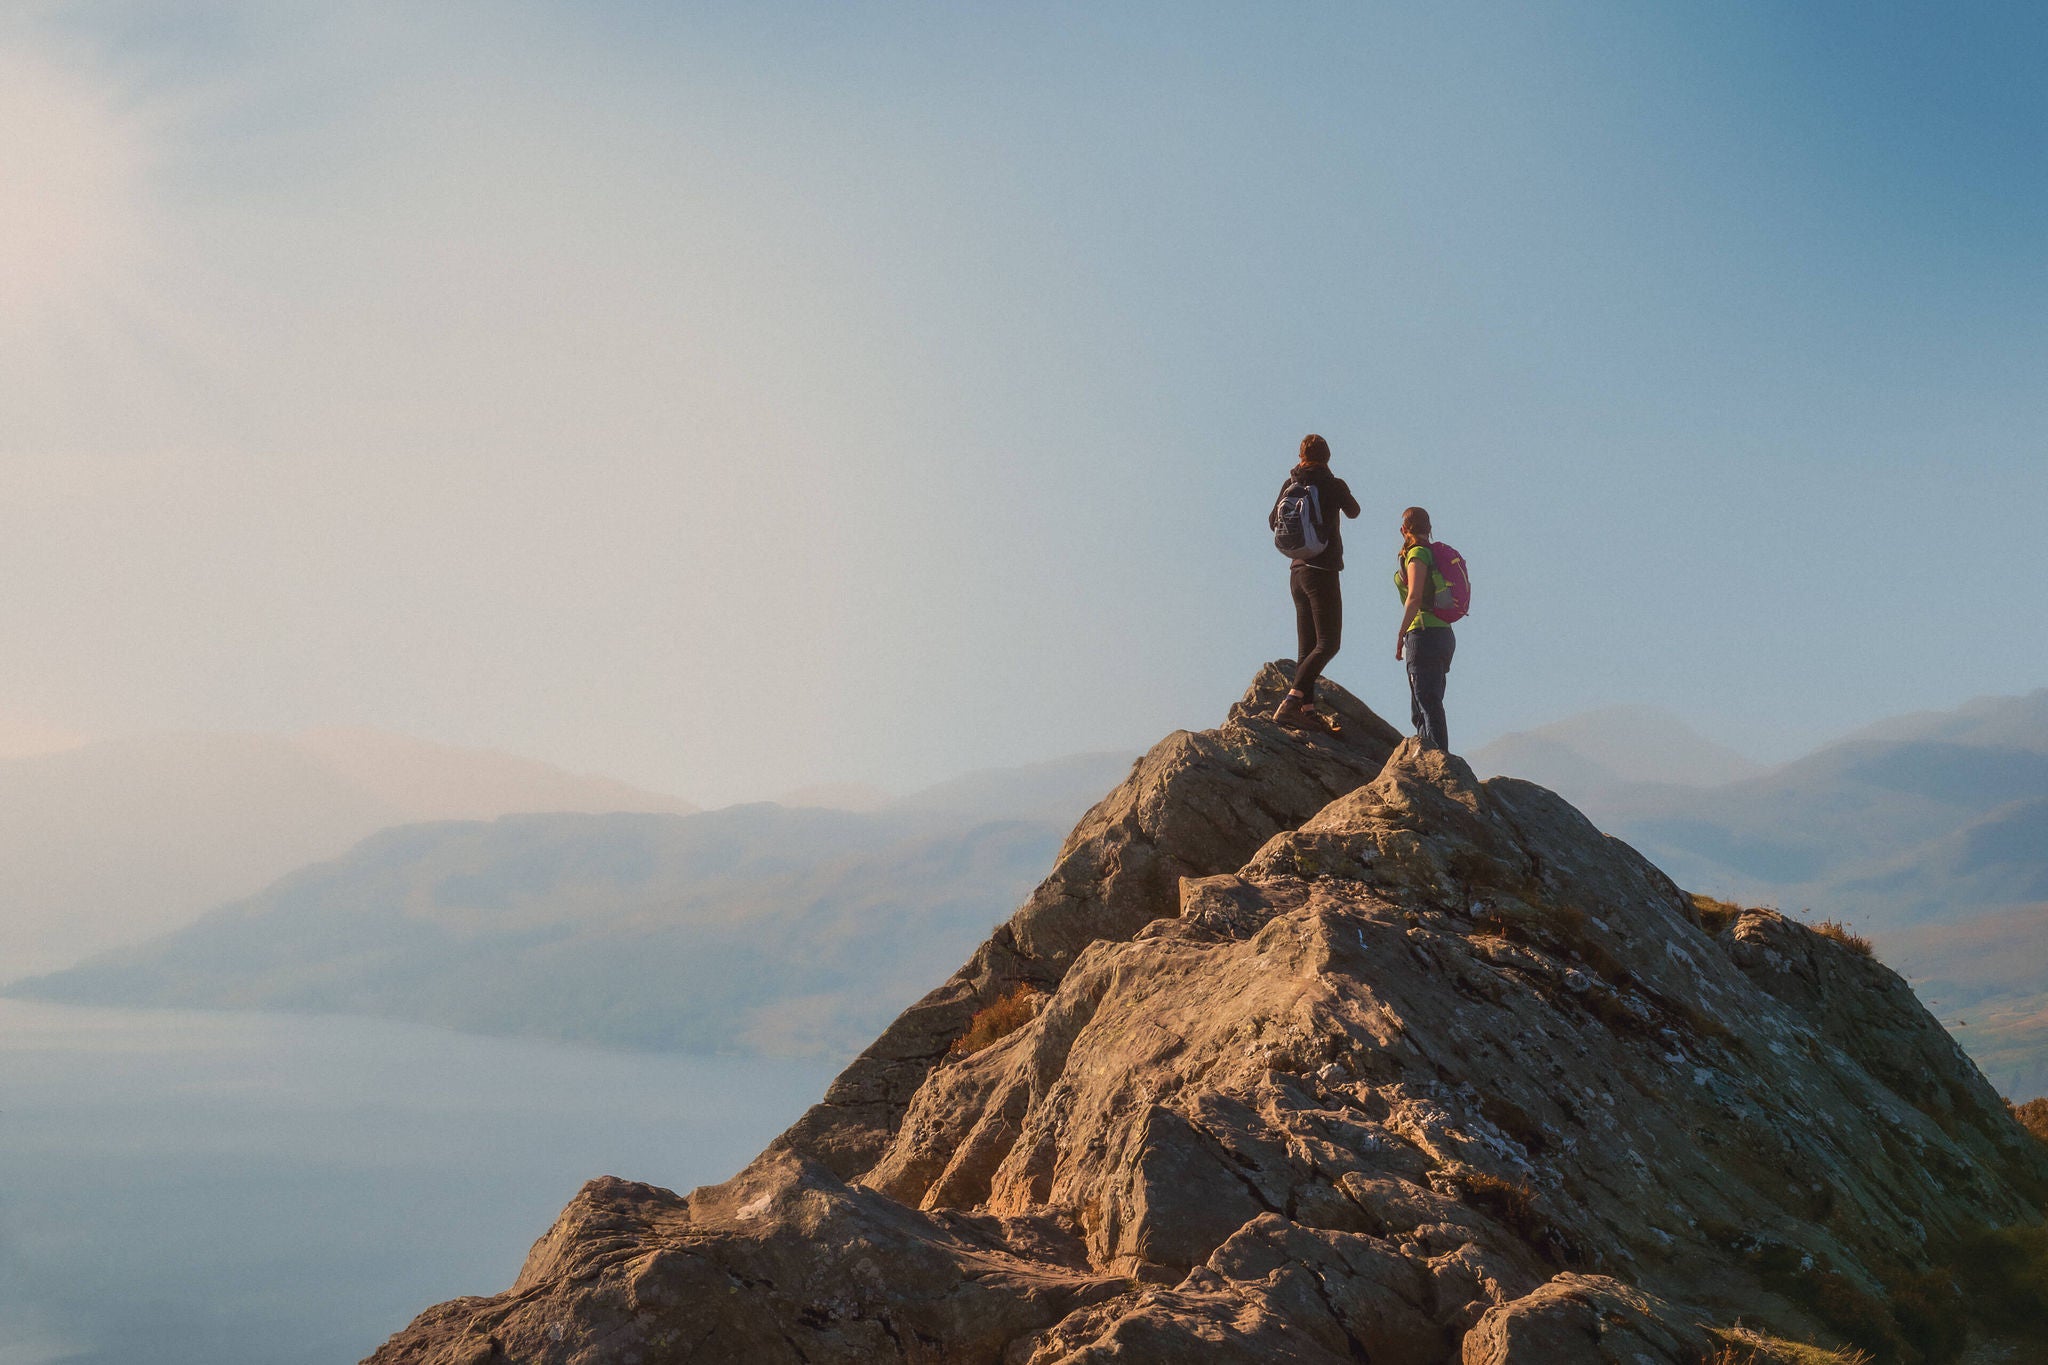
point(1456, 598)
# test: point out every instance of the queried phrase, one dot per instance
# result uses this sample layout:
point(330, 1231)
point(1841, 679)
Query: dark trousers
point(1318, 623)
point(1429, 663)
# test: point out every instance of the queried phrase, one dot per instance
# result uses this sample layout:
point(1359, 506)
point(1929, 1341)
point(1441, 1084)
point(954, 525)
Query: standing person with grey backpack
point(1307, 527)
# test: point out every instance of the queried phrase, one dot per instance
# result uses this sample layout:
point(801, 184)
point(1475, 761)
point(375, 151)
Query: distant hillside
point(1985, 980)
point(753, 928)
point(1060, 790)
point(836, 796)
point(1602, 752)
point(431, 781)
point(1055, 789)
point(761, 927)
point(1998, 859)
point(1893, 831)
point(1928, 815)
point(1987, 722)
point(110, 842)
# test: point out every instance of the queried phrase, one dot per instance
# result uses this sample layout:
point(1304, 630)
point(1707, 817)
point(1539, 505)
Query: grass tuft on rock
point(2033, 1116)
point(1844, 935)
point(997, 1020)
point(1715, 915)
point(1742, 1346)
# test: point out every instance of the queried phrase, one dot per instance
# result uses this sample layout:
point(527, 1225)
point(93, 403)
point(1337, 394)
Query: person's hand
point(1400, 643)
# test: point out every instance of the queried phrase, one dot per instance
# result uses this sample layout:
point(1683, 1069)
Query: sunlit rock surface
point(1340, 1055)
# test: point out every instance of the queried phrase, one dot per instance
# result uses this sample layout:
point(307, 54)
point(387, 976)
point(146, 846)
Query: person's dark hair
point(1415, 522)
point(1314, 449)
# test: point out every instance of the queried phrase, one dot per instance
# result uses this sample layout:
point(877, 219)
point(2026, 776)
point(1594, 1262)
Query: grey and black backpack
point(1298, 522)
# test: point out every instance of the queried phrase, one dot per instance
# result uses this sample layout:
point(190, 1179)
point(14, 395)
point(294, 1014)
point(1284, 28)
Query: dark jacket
point(1337, 504)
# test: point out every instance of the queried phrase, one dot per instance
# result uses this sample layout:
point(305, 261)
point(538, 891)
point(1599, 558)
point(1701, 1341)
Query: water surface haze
point(192, 1188)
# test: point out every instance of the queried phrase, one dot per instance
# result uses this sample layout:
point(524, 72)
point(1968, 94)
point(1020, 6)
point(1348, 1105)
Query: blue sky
point(733, 397)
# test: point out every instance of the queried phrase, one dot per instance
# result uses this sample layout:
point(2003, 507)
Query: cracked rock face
point(1338, 1059)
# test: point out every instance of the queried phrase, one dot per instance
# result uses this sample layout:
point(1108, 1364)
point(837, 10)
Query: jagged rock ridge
point(1336, 1061)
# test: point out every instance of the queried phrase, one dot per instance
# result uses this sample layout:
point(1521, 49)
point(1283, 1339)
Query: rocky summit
point(1316, 1049)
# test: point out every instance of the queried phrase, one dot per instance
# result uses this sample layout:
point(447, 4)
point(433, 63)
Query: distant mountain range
point(1891, 826)
point(753, 928)
point(1986, 723)
point(1931, 816)
point(1612, 749)
point(110, 842)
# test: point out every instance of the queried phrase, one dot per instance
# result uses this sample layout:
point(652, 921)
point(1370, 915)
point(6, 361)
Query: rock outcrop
point(1196, 804)
point(1338, 1055)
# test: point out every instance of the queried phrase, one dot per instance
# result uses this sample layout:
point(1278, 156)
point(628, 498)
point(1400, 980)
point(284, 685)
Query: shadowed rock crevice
point(1338, 1060)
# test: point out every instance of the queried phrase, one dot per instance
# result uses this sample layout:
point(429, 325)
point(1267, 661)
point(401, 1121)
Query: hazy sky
point(730, 397)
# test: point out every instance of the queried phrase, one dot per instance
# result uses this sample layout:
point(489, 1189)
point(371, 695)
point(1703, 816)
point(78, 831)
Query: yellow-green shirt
point(1437, 586)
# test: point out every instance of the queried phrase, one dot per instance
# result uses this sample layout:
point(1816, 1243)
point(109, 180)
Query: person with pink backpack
point(1435, 591)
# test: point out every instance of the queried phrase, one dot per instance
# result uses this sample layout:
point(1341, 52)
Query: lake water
point(247, 1189)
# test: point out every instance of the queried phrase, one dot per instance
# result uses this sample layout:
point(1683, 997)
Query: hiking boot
point(1295, 714)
